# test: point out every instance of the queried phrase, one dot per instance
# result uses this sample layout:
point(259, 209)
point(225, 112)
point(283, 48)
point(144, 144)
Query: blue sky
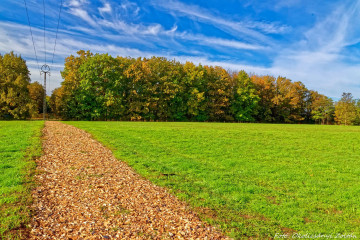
point(316, 42)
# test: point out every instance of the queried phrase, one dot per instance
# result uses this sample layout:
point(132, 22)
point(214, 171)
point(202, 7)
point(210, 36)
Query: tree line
point(102, 87)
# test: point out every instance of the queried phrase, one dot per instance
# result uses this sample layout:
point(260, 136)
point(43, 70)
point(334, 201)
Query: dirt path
point(85, 193)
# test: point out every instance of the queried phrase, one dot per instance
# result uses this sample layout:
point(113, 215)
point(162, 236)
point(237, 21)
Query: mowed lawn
point(19, 143)
point(253, 180)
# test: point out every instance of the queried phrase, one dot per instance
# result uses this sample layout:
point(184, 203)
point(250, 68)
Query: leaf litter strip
point(84, 192)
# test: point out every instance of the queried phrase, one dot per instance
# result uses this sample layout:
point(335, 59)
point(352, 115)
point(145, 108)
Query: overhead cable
point(57, 30)
point(44, 30)
point(32, 38)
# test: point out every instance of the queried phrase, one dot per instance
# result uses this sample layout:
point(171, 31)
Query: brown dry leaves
point(85, 193)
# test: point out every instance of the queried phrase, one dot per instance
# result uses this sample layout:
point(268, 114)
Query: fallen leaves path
point(85, 193)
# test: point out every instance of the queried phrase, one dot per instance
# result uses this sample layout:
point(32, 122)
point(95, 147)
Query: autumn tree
point(266, 89)
point(56, 102)
point(36, 92)
point(15, 100)
point(299, 97)
point(163, 78)
point(281, 100)
point(345, 110)
point(289, 100)
point(194, 92)
point(218, 93)
point(322, 108)
point(137, 96)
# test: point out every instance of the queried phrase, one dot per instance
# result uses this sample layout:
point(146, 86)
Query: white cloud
point(129, 28)
point(267, 27)
point(105, 9)
point(130, 8)
point(172, 30)
point(154, 29)
point(81, 13)
point(76, 3)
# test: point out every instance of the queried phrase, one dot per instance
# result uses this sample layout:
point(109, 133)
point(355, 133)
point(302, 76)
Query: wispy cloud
point(267, 27)
point(214, 41)
point(248, 30)
point(83, 14)
point(130, 8)
point(77, 8)
point(76, 3)
point(105, 9)
point(113, 20)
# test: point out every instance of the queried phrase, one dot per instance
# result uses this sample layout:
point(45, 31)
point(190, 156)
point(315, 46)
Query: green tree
point(345, 110)
point(177, 88)
point(101, 89)
point(70, 107)
point(357, 118)
point(245, 100)
point(14, 93)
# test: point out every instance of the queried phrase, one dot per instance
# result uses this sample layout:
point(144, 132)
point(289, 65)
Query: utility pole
point(45, 69)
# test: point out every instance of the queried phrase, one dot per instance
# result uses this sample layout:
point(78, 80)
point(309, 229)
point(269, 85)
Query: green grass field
point(254, 180)
point(19, 143)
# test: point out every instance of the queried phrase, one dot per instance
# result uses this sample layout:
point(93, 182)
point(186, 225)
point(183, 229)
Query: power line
point(32, 38)
point(56, 36)
point(57, 30)
point(44, 30)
